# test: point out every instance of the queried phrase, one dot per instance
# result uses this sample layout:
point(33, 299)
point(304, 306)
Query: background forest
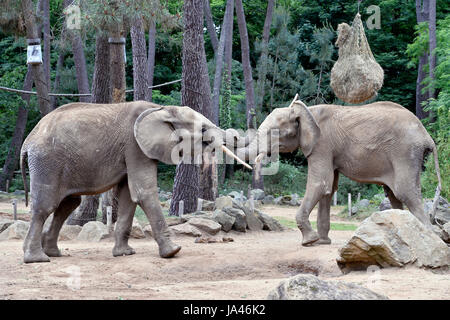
point(300, 55)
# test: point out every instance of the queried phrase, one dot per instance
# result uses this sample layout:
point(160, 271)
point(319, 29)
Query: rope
point(79, 94)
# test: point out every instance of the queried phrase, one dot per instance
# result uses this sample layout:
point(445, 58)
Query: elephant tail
point(439, 186)
point(23, 156)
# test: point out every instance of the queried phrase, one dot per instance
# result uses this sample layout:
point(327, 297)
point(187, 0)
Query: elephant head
point(172, 134)
point(283, 130)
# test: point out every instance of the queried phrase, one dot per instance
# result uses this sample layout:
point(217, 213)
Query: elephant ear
point(153, 133)
point(309, 129)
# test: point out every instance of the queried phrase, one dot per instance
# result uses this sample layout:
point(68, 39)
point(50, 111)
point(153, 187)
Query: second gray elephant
point(382, 143)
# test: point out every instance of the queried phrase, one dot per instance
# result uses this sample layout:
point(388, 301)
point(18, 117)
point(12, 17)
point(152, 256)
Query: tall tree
point(263, 60)
point(432, 44)
point(210, 26)
point(423, 15)
point(37, 69)
point(219, 59)
point(186, 184)
point(140, 66)
point(248, 78)
point(17, 138)
point(151, 56)
point(46, 35)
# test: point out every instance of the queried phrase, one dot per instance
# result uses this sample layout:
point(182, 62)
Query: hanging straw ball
point(356, 76)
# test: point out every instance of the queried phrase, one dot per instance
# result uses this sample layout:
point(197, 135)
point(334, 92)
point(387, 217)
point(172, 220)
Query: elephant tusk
point(231, 154)
point(295, 99)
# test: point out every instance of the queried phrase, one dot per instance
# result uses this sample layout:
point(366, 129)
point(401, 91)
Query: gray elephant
point(382, 143)
point(85, 149)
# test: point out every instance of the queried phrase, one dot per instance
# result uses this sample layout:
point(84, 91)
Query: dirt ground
point(248, 268)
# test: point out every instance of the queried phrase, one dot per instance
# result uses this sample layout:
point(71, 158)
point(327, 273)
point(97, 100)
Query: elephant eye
point(297, 122)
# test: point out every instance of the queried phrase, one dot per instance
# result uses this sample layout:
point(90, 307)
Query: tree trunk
point(151, 57)
point(37, 69)
point(262, 67)
point(57, 82)
point(432, 44)
point(17, 138)
point(219, 60)
point(210, 26)
point(186, 184)
point(117, 65)
point(422, 13)
point(80, 66)
point(140, 70)
point(248, 78)
point(46, 52)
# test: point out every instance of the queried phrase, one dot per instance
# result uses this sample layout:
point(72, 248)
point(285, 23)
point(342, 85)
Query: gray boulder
point(310, 287)
point(278, 200)
point(385, 204)
point(136, 230)
point(393, 238)
point(364, 203)
point(225, 220)
point(354, 210)
point(240, 223)
point(16, 231)
point(148, 231)
point(206, 225)
point(257, 194)
point(207, 205)
point(237, 196)
point(19, 192)
point(69, 232)
point(253, 222)
point(269, 223)
point(269, 199)
point(5, 223)
point(186, 229)
point(93, 231)
point(223, 202)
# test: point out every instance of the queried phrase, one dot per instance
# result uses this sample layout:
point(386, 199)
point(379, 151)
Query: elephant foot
point(52, 252)
point(168, 249)
point(37, 256)
point(324, 240)
point(310, 238)
point(123, 251)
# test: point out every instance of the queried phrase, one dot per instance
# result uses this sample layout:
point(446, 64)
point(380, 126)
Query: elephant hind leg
point(124, 221)
point(50, 236)
point(395, 203)
point(323, 214)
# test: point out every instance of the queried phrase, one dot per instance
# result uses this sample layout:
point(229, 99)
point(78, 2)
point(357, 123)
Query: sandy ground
point(248, 268)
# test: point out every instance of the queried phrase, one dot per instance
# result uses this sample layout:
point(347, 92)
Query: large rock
point(136, 230)
point(253, 223)
point(186, 229)
point(385, 204)
point(310, 287)
point(257, 194)
point(269, 199)
point(148, 231)
point(206, 225)
point(393, 238)
point(237, 196)
point(93, 231)
point(223, 202)
point(364, 203)
point(207, 205)
point(269, 223)
point(240, 223)
point(16, 231)
point(69, 232)
point(5, 223)
point(224, 219)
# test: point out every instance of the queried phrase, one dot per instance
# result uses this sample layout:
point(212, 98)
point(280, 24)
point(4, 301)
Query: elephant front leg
point(160, 230)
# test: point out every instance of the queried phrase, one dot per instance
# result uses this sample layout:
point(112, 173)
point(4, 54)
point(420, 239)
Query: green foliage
point(346, 186)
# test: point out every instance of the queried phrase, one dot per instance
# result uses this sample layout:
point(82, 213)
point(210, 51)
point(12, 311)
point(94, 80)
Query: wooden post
point(7, 186)
point(249, 189)
point(349, 204)
point(109, 218)
point(335, 199)
point(199, 204)
point(242, 197)
point(359, 196)
point(252, 204)
point(14, 203)
point(180, 208)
